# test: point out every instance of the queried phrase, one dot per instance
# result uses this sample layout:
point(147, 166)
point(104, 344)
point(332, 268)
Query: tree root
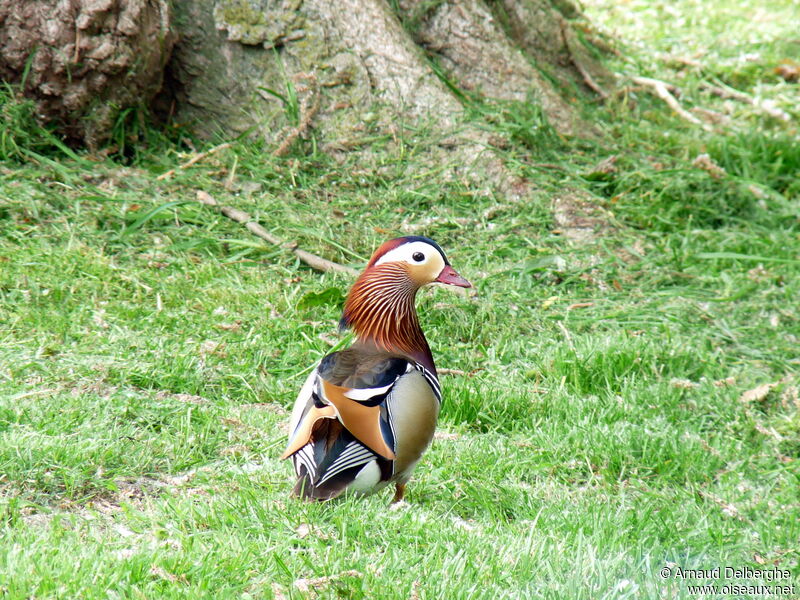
point(241, 217)
point(474, 51)
point(578, 64)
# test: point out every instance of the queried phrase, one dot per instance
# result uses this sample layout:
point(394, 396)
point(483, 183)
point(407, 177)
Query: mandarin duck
point(366, 414)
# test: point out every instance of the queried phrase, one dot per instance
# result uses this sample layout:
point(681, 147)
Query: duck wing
point(342, 423)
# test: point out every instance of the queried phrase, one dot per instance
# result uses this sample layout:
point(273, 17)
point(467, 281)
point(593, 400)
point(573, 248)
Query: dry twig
point(196, 158)
point(662, 90)
point(451, 372)
point(732, 94)
point(312, 260)
point(309, 106)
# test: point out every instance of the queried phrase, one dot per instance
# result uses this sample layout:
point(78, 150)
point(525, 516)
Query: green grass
point(150, 348)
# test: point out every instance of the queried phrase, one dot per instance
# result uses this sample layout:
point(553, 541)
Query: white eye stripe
point(405, 253)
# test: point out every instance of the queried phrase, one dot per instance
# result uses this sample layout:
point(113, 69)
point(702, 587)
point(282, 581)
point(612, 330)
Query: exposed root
point(585, 75)
point(473, 50)
point(312, 260)
point(662, 91)
point(196, 158)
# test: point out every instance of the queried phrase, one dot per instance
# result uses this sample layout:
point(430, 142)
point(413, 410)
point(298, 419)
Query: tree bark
point(368, 55)
point(282, 68)
point(84, 61)
point(366, 65)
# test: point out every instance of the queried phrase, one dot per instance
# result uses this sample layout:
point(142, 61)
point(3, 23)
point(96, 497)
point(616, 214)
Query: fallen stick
point(662, 91)
point(458, 372)
point(193, 160)
point(451, 372)
point(732, 94)
point(312, 260)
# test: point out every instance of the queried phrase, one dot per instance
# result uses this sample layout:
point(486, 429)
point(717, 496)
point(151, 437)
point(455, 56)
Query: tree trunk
point(274, 68)
point(84, 61)
point(282, 68)
point(373, 57)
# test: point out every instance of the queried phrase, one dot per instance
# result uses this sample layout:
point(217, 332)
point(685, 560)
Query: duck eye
point(418, 256)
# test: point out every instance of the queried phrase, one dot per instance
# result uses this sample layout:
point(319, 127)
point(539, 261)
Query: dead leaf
point(790, 396)
point(580, 305)
point(452, 372)
point(307, 585)
point(606, 166)
point(727, 508)
point(579, 219)
point(725, 382)
point(757, 191)
point(185, 398)
point(328, 339)
point(212, 347)
point(414, 591)
point(303, 530)
point(707, 164)
point(757, 394)
point(465, 525)
point(171, 577)
point(683, 384)
point(788, 70)
point(235, 450)
point(768, 432)
point(235, 326)
point(710, 116)
point(267, 406)
point(674, 60)
point(549, 302)
point(759, 559)
point(758, 273)
point(99, 320)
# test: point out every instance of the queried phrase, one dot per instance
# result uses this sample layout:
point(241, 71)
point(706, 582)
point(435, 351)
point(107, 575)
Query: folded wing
point(343, 425)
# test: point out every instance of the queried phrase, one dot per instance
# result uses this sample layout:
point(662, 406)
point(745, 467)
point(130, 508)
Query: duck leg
point(399, 492)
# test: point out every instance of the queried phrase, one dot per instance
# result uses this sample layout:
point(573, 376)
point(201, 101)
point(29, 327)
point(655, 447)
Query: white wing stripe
point(349, 465)
point(367, 393)
point(353, 454)
point(305, 458)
